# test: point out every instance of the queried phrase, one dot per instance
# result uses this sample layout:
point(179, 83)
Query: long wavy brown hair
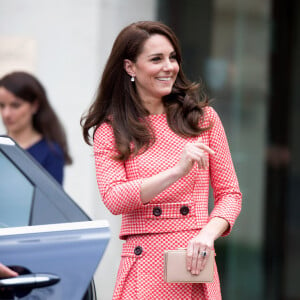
point(28, 88)
point(118, 103)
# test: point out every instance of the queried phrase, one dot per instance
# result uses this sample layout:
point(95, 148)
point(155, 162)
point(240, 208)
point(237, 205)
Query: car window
point(16, 195)
point(29, 195)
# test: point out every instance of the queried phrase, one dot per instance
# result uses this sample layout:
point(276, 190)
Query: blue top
point(50, 156)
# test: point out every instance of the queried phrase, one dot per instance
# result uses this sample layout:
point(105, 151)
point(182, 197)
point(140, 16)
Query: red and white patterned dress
point(174, 216)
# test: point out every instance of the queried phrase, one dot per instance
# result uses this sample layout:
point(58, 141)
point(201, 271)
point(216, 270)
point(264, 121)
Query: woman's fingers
point(196, 260)
point(200, 157)
point(6, 272)
point(189, 256)
point(194, 152)
point(203, 257)
point(204, 147)
point(198, 251)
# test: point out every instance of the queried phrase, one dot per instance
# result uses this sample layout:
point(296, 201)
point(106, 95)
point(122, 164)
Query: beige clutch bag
point(175, 268)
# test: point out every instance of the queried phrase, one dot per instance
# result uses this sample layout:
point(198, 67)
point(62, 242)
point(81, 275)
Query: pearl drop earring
point(132, 79)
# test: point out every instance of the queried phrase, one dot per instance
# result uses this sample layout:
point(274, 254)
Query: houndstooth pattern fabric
point(140, 276)
point(173, 217)
point(119, 183)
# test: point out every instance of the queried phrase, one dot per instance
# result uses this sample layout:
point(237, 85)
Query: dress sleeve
point(118, 193)
point(226, 192)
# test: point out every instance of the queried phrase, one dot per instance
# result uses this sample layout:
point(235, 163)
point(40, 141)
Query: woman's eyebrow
point(160, 54)
point(155, 54)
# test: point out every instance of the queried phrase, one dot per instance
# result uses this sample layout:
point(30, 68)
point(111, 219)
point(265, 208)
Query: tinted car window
point(16, 194)
point(33, 196)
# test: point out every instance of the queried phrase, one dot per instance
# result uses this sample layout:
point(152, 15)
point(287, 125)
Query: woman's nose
point(168, 65)
point(5, 112)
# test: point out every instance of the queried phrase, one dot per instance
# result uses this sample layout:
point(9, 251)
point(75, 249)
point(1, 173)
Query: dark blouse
point(50, 156)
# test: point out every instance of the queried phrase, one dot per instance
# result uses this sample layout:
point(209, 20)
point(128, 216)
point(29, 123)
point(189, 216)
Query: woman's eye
point(173, 57)
point(156, 58)
point(16, 105)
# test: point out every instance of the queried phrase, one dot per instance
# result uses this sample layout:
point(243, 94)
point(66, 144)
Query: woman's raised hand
point(194, 152)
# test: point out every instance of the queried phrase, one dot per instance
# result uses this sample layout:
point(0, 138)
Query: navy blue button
point(184, 210)
point(138, 250)
point(157, 211)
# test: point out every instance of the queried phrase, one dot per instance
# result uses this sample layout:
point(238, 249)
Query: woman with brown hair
point(31, 121)
point(157, 145)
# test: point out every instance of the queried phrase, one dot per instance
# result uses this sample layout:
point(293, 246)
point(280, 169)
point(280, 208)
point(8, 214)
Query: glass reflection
point(16, 194)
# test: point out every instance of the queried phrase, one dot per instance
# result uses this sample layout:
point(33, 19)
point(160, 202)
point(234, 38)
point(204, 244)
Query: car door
point(30, 196)
point(54, 261)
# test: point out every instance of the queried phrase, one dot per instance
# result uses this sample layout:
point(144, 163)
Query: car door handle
point(32, 280)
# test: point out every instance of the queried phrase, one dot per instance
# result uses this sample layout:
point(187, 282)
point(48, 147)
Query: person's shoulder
point(53, 148)
point(104, 130)
point(209, 118)
point(103, 136)
point(45, 150)
point(209, 112)
point(213, 115)
point(45, 146)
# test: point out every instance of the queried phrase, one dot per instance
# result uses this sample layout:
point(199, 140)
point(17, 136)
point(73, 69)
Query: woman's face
point(15, 112)
point(155, 69)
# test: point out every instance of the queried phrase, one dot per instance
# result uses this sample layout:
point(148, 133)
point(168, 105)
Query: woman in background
point(31, 121)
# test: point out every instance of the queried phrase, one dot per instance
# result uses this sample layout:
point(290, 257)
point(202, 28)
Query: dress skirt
point(140, 274)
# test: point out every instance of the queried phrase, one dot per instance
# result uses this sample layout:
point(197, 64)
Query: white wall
point(66, 43)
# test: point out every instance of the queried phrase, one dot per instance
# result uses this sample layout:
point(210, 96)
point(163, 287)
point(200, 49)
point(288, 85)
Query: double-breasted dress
point(174, 216)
